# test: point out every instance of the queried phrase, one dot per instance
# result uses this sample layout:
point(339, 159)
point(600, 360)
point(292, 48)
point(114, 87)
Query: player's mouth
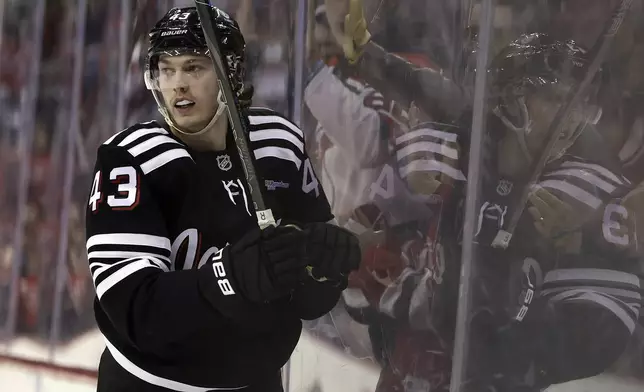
point(183, 106)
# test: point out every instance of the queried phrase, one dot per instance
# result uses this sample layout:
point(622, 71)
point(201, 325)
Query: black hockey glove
point(313, 299)
point(262, 266)
point(332, 252)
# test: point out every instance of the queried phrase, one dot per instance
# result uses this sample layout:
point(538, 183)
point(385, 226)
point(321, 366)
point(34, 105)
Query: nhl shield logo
point(224, 163)
point(504, 188)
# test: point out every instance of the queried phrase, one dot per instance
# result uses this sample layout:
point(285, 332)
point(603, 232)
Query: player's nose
point(181, 82)
point(181, 89)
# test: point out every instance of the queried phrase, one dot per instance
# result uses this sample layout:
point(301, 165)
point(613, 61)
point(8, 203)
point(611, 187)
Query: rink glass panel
point(394, 171)
point(562, 301)
point(9, 123)
point(20, 34)
point(407, 318)
point(401, 325)
point(72, 336)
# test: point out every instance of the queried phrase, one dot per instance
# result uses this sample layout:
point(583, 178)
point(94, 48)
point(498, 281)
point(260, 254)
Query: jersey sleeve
point(309, 202)
point(287, 159)
point(620, 221)
point(304, 202)
point(128, 247)
point(348, 112)
point(594, 293)
point(583, 322)
point(405, 82)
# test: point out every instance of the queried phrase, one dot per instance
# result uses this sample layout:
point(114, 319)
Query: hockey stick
point(503, 237)
point(265, 216)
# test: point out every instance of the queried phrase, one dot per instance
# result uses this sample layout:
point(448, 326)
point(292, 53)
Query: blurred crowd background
point(64, 90)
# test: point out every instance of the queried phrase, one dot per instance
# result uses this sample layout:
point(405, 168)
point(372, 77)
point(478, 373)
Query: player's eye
point(166, 71)
point(193, 68)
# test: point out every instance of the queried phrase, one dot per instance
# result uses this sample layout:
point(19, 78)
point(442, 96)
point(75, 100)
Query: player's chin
point(189, 124)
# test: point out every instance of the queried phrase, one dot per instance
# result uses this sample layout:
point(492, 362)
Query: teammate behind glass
point(191, 295)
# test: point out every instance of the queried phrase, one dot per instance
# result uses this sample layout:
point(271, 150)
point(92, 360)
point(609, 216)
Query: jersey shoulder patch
point(150, 145)
point(273, 136)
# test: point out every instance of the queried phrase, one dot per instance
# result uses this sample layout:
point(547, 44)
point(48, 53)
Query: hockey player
point(562, 301)
point(558, 215)
point(357, 131)
point(391, 173)
point(190, 294)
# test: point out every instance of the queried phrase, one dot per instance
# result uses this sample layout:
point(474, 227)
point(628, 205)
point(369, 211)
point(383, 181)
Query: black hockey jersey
point(574, 304)
point(157, 212)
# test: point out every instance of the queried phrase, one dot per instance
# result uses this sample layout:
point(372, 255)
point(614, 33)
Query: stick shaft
point(238, 126)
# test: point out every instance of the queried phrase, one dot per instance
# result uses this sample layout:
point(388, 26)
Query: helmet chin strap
point(522, 129)
point(220, 110)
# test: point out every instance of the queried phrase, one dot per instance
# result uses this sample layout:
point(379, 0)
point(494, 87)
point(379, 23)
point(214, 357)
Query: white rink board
point(602, 383)
point(314, 363)
point(16, 378)
point(83, 352)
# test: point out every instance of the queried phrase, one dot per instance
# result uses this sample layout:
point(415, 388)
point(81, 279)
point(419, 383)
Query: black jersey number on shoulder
point(309, 180)
point(127, 192)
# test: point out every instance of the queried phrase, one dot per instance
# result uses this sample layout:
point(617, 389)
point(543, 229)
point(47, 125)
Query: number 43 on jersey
point(127, 192)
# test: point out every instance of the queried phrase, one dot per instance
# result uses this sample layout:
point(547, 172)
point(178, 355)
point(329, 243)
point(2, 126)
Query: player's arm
point(568, 323)
point(157, 309)
point(348, 111)
point(401, 80)
point(427, 88)
point(594, 299)
point(430, 160)
point(332, 251)
point(579, 323)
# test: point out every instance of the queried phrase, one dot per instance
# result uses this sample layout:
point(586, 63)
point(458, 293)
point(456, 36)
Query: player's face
point(189, 87)
point(517, 156)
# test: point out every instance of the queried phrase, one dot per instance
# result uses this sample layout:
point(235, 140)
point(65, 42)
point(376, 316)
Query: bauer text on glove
point(261, 267)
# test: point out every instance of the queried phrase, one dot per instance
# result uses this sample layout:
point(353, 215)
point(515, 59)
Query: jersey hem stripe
point(156, 380)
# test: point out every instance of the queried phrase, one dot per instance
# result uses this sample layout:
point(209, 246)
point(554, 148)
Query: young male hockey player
point(562, 301)
point(191, 295)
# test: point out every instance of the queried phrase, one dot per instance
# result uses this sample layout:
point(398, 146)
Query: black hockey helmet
point(536, 60)
point(180, 32)
point(537, 64)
